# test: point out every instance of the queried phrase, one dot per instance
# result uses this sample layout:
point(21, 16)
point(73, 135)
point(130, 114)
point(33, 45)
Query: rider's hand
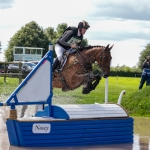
point(74, 46)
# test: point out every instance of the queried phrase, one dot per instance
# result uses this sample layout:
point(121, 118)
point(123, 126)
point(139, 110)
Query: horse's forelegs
point(94, 85)
point(89, 86)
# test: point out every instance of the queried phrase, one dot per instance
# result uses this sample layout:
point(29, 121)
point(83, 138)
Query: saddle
point(64, 59)
point(60, 67)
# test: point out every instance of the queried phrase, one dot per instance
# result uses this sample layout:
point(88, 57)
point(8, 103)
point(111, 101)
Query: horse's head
point(104, 60)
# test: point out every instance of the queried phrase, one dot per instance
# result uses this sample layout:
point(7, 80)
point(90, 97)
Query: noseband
point(89, 61)
point(103, 66)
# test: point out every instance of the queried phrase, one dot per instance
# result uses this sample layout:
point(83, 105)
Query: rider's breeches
point(59, 51)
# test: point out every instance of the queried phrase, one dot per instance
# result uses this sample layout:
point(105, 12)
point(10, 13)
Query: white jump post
point(41, 107)
point(50, 47)
point(120, 97)
point(106, 90)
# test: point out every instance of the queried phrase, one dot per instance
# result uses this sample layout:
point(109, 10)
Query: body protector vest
point(71, 39)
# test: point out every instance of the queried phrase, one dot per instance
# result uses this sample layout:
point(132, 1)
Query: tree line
point(123, 71)
point(33, 35)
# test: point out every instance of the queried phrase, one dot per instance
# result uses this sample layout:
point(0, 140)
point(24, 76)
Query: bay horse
point(77, 70)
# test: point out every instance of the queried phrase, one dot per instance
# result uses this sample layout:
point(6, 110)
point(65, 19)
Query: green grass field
point(115, 86)
point(137, 102)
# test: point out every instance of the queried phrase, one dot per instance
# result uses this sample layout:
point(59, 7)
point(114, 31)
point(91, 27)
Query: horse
point(77, 70)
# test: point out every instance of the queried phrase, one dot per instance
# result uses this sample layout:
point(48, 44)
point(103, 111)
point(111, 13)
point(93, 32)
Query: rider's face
point(83, 30)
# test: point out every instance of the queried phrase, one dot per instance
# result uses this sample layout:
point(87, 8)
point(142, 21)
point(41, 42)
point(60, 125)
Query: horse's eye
point(105, 58)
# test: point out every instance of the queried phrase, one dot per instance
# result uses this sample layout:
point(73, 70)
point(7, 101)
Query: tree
point(143, 55)
point(84, 42)
point(51, 34)
point(30, 35)
point(125, 71)
point(60, 29)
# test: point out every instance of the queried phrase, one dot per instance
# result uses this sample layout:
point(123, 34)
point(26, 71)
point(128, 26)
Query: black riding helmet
point(83, 24)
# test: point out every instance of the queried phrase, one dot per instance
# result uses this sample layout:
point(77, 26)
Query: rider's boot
point(55, 64)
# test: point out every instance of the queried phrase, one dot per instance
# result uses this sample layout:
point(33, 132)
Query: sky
point(124, 23)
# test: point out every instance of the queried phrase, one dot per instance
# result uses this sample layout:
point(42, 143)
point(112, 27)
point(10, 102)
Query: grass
point(8, 87)
point(136, 102)
point(115, 86)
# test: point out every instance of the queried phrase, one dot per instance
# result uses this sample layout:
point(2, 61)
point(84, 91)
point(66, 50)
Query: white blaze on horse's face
point(105, 61)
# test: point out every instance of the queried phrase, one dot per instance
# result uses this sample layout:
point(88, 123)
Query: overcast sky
point(124, 23)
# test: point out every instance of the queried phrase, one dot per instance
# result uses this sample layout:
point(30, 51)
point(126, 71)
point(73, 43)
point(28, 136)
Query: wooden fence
point(6, 74)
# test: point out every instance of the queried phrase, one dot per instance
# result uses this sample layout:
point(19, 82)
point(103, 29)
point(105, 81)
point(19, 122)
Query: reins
point(81, 55)
point(90, 61)
point(82, 64)
point(103, 65)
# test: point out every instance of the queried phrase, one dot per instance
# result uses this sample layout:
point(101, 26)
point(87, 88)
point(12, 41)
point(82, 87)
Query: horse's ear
point(107, 47)
point(111, 47)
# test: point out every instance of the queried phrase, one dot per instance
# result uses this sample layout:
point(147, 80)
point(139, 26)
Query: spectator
point(145, 73)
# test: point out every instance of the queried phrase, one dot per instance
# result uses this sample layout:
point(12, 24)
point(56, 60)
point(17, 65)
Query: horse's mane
point(89, 47)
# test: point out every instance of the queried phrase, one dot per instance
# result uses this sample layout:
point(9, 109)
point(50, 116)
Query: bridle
point(103, 66)
point(82, 64)
point(90, 61)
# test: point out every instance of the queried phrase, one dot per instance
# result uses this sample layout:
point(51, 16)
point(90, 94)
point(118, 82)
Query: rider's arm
point(145, 65)
point(65, 37)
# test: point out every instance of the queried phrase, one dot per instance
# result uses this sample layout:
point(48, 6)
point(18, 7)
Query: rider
point(71, 38)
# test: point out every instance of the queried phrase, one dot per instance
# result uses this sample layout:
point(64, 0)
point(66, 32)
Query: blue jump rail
point(48, 56)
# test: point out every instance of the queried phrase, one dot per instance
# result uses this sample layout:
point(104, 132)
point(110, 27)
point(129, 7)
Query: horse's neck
point(92, 53)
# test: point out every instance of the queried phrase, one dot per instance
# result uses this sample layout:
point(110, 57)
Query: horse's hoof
point(98, 77)
point(85, 91)
point(64, 89)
